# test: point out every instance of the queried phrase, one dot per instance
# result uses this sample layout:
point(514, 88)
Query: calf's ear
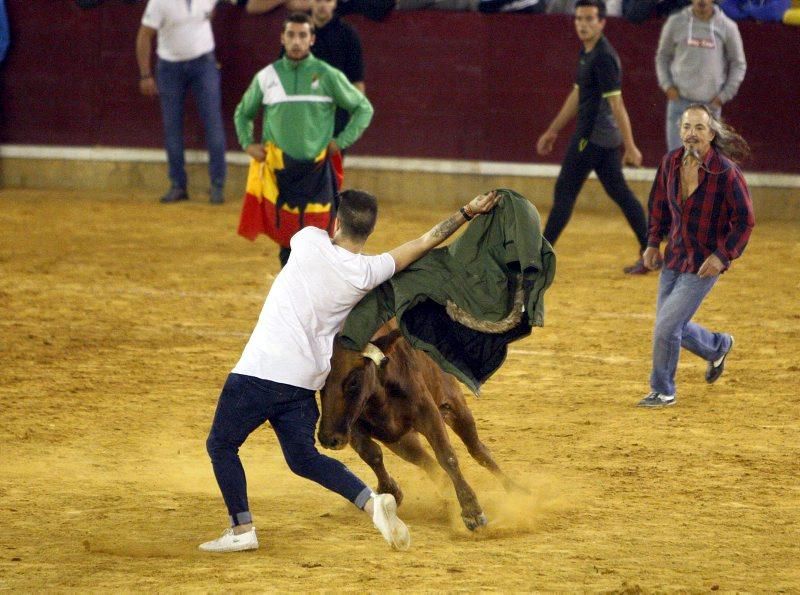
point(388, 342)
point(370, 381)
point(362, 381)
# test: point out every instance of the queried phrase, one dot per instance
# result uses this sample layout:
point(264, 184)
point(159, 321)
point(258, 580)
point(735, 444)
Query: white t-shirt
point(307, 305)
point(184, 27)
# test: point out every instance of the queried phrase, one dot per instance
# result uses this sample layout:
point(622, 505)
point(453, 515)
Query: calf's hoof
point(474, 523)
point(393, 489)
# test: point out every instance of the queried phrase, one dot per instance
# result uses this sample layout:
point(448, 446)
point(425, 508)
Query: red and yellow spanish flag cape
point(284, 195)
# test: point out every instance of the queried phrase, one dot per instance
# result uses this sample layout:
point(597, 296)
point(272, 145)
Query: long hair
point(726, 140)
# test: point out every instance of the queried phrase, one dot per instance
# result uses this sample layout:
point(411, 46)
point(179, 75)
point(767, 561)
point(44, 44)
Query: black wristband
point(467, 216)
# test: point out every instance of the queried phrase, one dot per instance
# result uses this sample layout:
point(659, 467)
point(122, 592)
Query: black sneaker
point(717, 367)
point(216, 195)
point(655, 399)
point(174, 194)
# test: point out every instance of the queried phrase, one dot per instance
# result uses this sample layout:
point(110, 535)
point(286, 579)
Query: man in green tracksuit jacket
point(299, 95)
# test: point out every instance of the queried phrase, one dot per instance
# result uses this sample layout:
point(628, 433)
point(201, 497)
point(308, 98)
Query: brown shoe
point(637, 268)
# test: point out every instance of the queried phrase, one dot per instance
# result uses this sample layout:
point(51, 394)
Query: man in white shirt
point(185, 61)
point(288, 356)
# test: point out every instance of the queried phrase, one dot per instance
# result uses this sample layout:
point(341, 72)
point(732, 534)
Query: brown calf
point(406, 396)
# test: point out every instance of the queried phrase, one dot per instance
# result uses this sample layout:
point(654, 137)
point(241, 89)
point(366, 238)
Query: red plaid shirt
point(716, 219)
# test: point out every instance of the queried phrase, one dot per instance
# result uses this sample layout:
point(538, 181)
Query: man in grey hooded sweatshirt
point(700, 59)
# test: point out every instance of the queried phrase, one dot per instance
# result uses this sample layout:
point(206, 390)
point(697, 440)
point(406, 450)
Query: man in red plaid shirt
point(701, 204)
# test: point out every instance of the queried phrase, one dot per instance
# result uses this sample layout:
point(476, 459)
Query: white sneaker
point(232, 543)
point(384, 517)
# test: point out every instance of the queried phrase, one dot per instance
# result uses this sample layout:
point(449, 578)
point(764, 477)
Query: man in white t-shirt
point(185, 61)
point(288, 357)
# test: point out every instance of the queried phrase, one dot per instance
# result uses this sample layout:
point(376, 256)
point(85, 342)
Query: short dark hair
point(300, 18)
point(599, 4)
point(357, 213)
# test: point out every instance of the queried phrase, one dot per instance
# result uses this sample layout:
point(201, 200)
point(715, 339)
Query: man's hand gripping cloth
point(283, 195)
point(478, 275)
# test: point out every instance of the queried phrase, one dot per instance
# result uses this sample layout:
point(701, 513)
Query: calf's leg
point(457, 415)
point(371, 453)
point(431, 426)
point(409, 448)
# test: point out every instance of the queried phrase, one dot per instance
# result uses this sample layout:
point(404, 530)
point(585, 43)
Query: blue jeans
point(244, 405)
point(174, 80)
point(675, 110)
point(679, 297)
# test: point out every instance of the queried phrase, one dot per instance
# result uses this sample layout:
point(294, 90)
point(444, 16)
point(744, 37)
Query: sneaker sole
point(249, 547)
point(656, 406)
point(400, 537)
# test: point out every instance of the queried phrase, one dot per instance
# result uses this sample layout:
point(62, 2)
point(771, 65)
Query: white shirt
point(184, 27)
point(307, 305)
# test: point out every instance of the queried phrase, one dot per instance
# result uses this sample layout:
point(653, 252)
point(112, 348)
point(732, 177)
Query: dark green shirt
point(599, 77)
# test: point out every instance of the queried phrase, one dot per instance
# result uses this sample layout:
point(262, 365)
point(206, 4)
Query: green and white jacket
point(299, 100)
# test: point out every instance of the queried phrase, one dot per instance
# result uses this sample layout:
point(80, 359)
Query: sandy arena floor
point(121, 318)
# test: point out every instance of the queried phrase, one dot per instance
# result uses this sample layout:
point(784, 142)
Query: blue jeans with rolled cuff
point(244, 405)
point(202, 76)
point(679, 297)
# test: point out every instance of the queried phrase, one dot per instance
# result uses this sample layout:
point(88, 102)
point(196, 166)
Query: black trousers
point(283, 255)
point(575, 168)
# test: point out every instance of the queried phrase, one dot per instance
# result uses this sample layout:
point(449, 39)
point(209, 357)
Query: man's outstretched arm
point(415, 249)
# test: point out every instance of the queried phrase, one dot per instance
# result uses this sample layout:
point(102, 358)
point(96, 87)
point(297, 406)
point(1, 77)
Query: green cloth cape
point(478, 272)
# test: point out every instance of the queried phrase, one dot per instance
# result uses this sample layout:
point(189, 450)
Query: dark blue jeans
point(245, 404)
point(201, 75)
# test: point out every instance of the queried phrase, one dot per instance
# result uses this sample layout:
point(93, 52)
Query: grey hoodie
point(703, 59)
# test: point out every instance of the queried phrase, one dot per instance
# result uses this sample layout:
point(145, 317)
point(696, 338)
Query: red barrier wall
point(444, 85)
